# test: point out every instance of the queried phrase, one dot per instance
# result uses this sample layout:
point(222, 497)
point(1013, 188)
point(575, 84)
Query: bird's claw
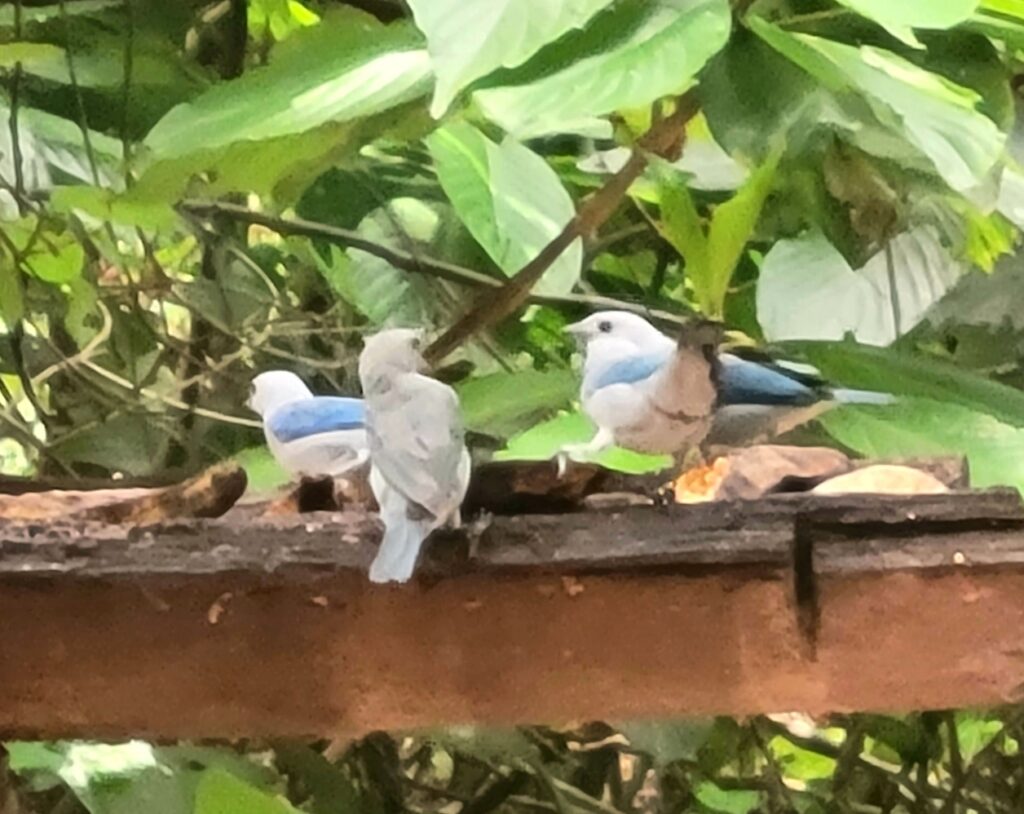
point(475, 530)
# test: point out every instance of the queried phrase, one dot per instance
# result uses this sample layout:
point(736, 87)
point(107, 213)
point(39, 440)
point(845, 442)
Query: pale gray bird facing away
point(420, 466)
point(307, 434)
point(649, 393)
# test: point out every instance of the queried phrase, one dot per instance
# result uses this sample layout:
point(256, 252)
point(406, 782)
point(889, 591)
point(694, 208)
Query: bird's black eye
point(415, 342)
point(604, 327)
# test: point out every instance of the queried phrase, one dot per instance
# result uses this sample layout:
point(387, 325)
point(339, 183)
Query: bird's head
point(391, 352)
point(272, 389)
point(616, 326)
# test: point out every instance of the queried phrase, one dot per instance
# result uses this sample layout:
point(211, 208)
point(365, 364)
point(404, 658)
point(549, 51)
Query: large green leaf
point(544, 441)
point(939, 118)
point(900, 17)
point(726, 801)
point(509, 198)
point(470, 38)
point(347, 67)
point(504, 403)
point(912, 374)
point(807, 290)
point(657, 50)
point(921, 427)
point(220, 792)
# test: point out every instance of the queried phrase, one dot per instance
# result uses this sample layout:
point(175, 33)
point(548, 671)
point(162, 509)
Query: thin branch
point(894, 294)
point(83, 120)
point(128, 63)
point(414, 264)
point(19, 170)
point(665, 137)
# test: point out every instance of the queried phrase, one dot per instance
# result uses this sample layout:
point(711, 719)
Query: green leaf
point(911, 374)
point(34, 756)
point(509, 198)
point(107, 205)
point(386, 295)
point(974, 732)
point(726, 802)
point(543, 442)
point(667, 741)
point(807, 290)
point(730, 228)
point(346, 68)
point(263, 472)
point(504, 403)
point(655, 49)
point(801, 764)
point(681, 226)
point(898, 18)
point(222, 793)
point(41, 14)
point(936, 116)
point(502, 745)
point(468, 39)
point(57, 263)
point(920, 428)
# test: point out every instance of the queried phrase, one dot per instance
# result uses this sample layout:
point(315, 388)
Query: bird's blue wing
point(317, 415)
point(631, 369)
point(745, 382)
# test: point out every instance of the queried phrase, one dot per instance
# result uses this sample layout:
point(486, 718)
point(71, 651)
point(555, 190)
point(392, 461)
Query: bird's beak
point(576, 329)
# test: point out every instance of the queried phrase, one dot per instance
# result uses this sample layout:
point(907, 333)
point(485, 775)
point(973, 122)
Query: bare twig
point(414, 264)
point(16, 156)
point(664, 138)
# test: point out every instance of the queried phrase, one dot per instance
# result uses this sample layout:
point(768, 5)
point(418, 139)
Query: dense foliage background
point(191, 192)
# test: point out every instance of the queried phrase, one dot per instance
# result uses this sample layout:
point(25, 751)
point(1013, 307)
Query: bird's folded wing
point(416, 442)
point(745, 382)
point(317, 415)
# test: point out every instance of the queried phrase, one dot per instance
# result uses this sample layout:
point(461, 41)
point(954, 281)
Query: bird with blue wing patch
point(651, 394)
point(309, 435)
point(420, 465)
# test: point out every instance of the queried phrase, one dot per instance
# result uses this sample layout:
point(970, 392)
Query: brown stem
point(664, 138)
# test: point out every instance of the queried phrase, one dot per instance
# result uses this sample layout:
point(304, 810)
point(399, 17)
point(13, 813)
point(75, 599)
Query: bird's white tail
point(862, 397)
point(400, 548)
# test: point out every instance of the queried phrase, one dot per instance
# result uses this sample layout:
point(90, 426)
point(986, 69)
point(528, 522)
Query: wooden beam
point(242, 628)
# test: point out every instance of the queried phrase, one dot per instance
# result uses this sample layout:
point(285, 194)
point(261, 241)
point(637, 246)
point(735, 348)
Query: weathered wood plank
point(224, 629)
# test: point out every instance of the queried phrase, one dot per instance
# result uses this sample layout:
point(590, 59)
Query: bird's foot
point(475, 531)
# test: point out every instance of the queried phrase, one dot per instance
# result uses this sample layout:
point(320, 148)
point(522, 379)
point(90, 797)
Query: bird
point(310, 436)
point(419, 464)
point(649, 393)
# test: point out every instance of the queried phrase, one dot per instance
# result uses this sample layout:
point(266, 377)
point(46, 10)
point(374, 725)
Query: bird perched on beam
point(420, 466)
point(649, 393)
point(309, 435)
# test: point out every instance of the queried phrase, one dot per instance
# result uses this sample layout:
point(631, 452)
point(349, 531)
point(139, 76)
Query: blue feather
point(630, 370)
point(744, 382)
point(317, 415)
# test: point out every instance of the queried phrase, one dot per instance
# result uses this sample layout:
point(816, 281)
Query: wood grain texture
point(226, 628)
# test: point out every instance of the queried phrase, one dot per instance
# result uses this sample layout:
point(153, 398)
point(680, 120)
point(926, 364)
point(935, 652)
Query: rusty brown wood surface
point(226, 628)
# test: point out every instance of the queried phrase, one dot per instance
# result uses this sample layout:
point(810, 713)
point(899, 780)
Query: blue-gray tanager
point(419, 469)
point(646, 392)
point(309, 435)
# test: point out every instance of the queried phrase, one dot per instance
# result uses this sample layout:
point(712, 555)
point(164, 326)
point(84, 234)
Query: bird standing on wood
point(651, 394)
point(420, 466)
point(309, 435)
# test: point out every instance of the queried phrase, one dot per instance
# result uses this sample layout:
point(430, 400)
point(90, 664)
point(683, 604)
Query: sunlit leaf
point(262, 471)
point(543, 442)
point(900, 17)
point(807, 290)
point(347, 67)
point(504, 403)
point(222, 793)
point(938, 117)
point(922, 428)
point(57, 264)
point(912, 374)
point(650, 50)
point(727, 801)
point(470, 38)
point(509, 198)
